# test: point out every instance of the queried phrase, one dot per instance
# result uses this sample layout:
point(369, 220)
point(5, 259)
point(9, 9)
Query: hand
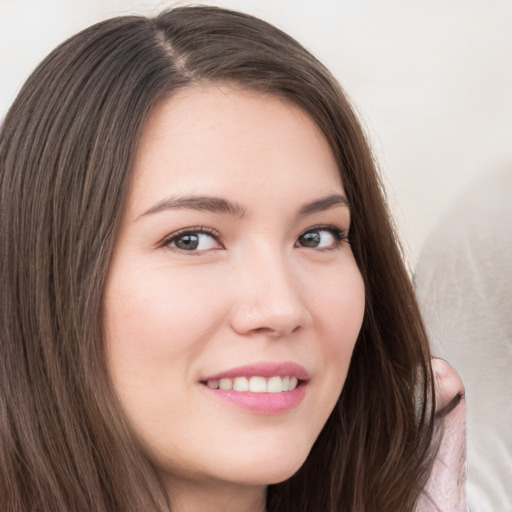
point(446, 488)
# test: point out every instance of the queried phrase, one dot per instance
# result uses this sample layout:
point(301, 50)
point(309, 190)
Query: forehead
point(225, 140)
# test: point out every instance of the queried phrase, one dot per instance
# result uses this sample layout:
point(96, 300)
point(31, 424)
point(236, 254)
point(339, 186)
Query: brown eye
point(193, 241)
point(310, 239)
point(321, 238)
point(187, 242)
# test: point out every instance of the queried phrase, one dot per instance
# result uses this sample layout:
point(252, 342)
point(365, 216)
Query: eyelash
point(198, 230)
point(339, 235)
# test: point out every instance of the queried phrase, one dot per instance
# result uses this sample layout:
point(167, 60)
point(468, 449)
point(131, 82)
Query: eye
point(322, 237)
point(194, 240)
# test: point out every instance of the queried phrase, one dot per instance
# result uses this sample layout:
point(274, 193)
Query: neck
point(216, 497)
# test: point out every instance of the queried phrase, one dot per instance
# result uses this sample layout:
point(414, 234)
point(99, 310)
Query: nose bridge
point(268, 296)
point(276, 277)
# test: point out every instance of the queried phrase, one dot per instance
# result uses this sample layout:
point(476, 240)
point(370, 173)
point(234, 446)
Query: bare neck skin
point(216, 497)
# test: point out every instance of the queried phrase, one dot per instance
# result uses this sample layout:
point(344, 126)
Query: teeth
point(225, 384)
point(241, 384)
point(214, 384)
point(255, 384)
point(275, 385)
point(258, 385)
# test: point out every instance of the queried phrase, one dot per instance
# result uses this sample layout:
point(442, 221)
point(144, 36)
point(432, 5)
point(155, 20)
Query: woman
point(203, 302)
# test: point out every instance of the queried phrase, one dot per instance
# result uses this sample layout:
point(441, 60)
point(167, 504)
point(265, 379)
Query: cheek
point(153, 321)
point(339, 312)
point(339, 309)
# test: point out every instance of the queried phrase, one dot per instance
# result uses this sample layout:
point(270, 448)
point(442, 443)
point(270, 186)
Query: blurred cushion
point(464, 286)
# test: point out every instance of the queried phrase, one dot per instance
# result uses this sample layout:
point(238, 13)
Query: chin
point(274, 469)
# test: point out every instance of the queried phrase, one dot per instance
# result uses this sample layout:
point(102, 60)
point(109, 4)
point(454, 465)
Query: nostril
point(276, 332)
point(262, 330)
point(264, 318)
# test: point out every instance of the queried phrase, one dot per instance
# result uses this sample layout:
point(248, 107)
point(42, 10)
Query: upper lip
point(264, 369)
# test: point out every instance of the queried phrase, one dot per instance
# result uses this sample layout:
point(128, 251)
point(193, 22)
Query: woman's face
point(232, 268)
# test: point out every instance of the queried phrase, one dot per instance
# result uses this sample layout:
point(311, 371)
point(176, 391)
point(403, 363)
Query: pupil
point(311, 239)
point(188, 242)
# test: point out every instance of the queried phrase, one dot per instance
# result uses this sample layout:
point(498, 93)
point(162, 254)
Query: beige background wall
point(432, 80)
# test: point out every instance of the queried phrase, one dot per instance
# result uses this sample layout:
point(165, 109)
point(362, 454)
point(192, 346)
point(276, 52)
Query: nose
point(268, 299)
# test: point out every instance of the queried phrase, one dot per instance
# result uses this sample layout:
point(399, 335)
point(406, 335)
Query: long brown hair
point(66, 152)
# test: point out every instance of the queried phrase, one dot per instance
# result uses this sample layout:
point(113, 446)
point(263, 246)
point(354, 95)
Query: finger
point(446, 488)
point(448, 384)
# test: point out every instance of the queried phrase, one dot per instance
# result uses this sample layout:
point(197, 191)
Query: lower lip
point(261, 403)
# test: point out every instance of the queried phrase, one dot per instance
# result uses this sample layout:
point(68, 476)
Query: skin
point(251, 291)
point(446, 487)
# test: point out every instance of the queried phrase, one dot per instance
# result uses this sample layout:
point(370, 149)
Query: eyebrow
point(325, 203)
point(220, 205)
point(200, 203)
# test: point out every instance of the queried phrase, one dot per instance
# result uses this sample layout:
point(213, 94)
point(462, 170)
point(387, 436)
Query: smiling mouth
point(255, 384)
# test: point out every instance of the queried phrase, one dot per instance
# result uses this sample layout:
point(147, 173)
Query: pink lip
point(262, 403)
point(266, 370)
